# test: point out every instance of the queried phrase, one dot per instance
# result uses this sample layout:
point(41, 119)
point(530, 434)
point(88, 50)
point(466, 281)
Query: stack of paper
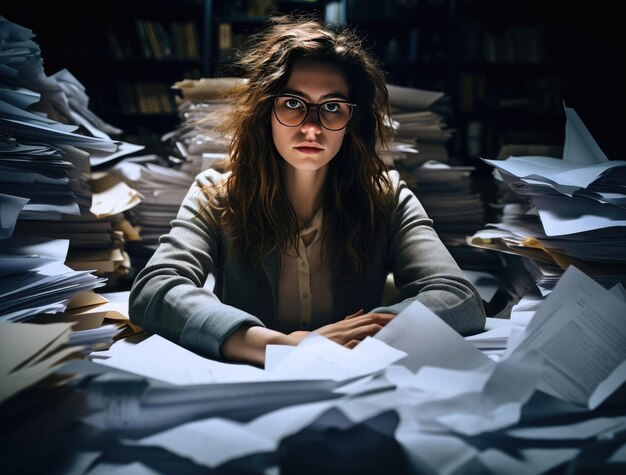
point(98, 320)
point(420, 133)
point(49, 141)
point(45, 162)
point(34, 279)
point(419, 152)
point(573, 211)
point(454, 409)
point(450, 199)
point(162, 190)
point(201, 105)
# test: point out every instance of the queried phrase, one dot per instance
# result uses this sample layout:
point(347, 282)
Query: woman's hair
point(256, 210)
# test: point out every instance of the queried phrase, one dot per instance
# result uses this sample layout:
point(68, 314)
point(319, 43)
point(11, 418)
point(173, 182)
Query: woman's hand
point(247, 344)
point(350, 331)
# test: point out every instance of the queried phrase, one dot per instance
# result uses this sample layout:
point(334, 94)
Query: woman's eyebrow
point(308, 98)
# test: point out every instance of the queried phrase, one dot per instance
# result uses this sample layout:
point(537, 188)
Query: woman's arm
point(424, 270)
point(168, 296)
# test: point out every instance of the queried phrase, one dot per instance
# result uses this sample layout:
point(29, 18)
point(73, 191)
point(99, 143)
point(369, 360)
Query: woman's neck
point(304, 190)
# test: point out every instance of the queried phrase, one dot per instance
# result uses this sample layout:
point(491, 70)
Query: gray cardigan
point(169, 298)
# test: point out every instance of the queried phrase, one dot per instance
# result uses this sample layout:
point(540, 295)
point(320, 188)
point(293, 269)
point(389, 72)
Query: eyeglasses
point(292, 111)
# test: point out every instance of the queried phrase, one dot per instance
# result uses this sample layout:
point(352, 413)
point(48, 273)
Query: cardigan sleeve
point(424, 270)
point(168, 296)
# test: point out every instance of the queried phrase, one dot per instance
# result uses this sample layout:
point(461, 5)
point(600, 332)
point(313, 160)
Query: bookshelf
point(230, 22)
point(507, 67)
point(519, 61)
point(126, 54)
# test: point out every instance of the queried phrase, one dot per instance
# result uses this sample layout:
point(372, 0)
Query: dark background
point(506, 67)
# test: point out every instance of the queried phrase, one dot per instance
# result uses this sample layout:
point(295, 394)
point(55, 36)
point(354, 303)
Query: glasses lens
point(291, 111)
point(335, 115)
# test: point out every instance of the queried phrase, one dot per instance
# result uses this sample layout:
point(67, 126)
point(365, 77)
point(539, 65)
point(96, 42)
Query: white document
point(580, 331)
point(497, 337)
point(33, 349)
point(32, 245)
point(12, 264)
point(162, 360)
point(601, 426)
point(12, 112)
point(10, 208)
point(19, 96)
point(580, 147)
point(441, 454)
point(99, 157)
point(49, 134)
point(119, 197)
point(528, 462)
point(429, 341)
point(562, 215)
point(214, 441)
point(487, 407)
point(317, 357)
point(411, 98)
point(619, 291)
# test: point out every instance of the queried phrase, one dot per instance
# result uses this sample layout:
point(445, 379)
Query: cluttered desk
point(416, 398)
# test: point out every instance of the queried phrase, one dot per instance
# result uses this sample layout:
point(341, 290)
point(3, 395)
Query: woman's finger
point(351, 344)
point(355, 314)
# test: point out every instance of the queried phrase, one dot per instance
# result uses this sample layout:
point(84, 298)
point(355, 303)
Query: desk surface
point(44, 431)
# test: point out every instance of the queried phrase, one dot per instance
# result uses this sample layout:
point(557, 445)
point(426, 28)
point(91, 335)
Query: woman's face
point(309, 146)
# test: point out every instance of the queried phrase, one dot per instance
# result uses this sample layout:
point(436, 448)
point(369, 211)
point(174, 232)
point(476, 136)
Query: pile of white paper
point(202, 105)
point(420, 134)
point(162, 190)
point(575, 212)
point(448, 396)
point(49, 140)
point(34, 279)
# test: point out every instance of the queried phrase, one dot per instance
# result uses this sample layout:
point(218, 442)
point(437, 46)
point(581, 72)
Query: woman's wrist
point(247, 344)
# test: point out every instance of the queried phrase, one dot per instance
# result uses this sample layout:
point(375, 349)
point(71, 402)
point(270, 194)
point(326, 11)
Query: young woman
point(302, 232)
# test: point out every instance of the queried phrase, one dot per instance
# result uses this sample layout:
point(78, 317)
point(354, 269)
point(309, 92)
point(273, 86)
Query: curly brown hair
point(255, 210)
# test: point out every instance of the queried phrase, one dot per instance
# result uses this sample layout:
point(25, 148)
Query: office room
point(312, 237)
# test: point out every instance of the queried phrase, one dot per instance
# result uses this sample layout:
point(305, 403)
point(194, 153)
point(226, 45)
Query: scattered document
point(580, 331)
point(429, 341)
point(30, 352)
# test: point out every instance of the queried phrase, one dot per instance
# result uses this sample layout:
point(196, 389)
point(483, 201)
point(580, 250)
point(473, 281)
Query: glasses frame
point(318, 106)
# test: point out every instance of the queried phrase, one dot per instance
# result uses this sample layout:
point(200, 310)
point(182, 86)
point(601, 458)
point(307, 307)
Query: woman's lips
point(308, 149)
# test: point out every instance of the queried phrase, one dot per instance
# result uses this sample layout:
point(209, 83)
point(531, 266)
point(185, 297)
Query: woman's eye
point(331, 107)
point(293, 103)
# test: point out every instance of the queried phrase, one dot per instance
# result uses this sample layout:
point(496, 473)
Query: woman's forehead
point(317, 79)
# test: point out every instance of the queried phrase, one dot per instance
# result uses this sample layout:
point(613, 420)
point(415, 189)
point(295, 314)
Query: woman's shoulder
point(211, 183)
point(394, 178)
point(208, 187)
point(211, 179)
point(396, 182)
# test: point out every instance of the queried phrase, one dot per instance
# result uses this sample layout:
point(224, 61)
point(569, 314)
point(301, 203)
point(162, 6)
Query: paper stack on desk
point(420, 133)
point(34, 279)
point(575, 211)
point(197, 142)
point(447, 395)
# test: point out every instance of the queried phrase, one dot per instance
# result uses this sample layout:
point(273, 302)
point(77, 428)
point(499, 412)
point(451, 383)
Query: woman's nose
point(311, 123)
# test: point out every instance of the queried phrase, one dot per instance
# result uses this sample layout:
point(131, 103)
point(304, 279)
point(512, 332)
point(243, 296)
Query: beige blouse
point(305, 299)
